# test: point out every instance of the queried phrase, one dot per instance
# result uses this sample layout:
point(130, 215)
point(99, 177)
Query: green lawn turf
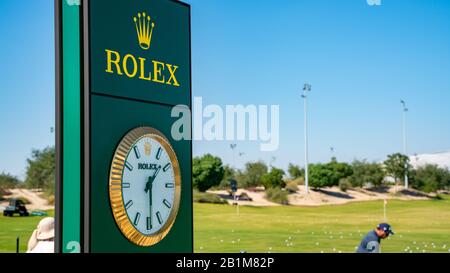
point(13, 227)
point(419, 225)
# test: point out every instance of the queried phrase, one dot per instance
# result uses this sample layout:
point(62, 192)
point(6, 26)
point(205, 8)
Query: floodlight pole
point(233, 146)
point(306, 88)
point(405, 110)
point(235, 197)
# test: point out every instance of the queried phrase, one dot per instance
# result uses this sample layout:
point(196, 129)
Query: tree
point(321, 176)
point(430, 178)
point(253, 173)
point(41, 170)
point(229, 173)
point(366, 173)
point(8, 181)
point(273, 179)
point(396, 166)
point(329, 174)
point(207, 171)
point(340, 170)
point(295, 171)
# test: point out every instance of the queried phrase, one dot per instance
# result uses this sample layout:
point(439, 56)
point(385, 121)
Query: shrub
point(365, 173)
point(8, 181)
point(344, 184)
point(41, 170)
point(329, 174)
point(229, 173)
point(292, 186)
point(203, 197)
point(295, 171)
point(51, 200)
point(273, 179)
point(244, 197)
point(299, 181)
point(430, 178)
point(277, 195)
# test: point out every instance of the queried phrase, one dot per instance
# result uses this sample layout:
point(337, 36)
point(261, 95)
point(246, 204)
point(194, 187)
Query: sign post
point(133, 190)
point(68, 126)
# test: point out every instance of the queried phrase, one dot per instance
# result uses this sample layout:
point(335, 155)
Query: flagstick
point(236, 198)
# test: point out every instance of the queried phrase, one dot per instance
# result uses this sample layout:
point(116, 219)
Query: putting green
point(420, 226)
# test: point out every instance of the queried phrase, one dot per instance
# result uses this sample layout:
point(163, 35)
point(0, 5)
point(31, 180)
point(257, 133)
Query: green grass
point(419, 225)
point(13, 227)
point(218, 228)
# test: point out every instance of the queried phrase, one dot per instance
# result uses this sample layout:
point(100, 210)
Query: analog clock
point(144, 186)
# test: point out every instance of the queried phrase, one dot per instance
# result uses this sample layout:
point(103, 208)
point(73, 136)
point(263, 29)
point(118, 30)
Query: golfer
point(371, 243)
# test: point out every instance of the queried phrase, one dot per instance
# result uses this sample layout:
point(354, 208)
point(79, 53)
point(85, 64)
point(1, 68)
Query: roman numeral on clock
point(136, 152)
point(128, 166)
point(125, 185)
point(170, 185)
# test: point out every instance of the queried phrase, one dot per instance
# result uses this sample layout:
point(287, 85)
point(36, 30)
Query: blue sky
point(360, 60)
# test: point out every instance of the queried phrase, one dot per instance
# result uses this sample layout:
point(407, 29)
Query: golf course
point(420, 226)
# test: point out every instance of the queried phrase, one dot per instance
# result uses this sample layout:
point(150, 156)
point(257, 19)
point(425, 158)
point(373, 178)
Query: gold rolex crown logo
point(144, 29)
point(147, 148)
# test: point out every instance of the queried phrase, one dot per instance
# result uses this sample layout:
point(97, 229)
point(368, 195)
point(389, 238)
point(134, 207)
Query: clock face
point(145, 186)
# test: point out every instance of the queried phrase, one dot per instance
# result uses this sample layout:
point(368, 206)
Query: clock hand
point(150, 206)
point(148, 189)
point(148, 184)
point(151, 179)
point(156, 173)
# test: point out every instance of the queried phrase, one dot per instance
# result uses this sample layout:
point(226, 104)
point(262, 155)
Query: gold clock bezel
point(115, 187)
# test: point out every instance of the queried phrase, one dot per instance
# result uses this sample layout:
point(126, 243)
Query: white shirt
point(43, 247)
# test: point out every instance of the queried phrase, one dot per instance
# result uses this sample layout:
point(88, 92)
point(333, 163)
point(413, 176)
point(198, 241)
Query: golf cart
point(15, 206)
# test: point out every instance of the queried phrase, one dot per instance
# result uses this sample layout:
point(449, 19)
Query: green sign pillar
point(68, 133)
point(124, 68)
